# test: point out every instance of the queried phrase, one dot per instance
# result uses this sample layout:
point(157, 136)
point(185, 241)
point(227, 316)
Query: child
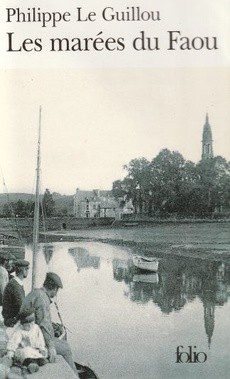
point(26, 345)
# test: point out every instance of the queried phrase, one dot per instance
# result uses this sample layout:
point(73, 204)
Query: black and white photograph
point(115, 191)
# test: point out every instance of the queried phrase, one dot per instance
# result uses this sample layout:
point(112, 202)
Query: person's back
point(12, 300)
point(4, 277)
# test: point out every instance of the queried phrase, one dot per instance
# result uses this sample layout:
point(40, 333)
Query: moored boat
point(146, 263)
point(85, 372)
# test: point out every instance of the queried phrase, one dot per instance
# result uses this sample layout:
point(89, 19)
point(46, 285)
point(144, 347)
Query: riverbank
point(196, 240)
point(22, 228)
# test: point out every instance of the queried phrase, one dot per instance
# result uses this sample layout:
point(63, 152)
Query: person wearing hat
point(10, 266)
point(40, 299)
point(14, 294)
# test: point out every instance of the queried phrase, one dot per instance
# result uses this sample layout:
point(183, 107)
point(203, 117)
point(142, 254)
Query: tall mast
point(36, 208)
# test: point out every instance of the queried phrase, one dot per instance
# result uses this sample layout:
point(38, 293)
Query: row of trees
point(169, 184)
point(22, 208)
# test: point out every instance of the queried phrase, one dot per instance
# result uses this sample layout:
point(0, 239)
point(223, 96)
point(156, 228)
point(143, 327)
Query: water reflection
point(112, 310)
point(177, 283)
point(146, 278)
point(48, 252)
point(123, 270)
point(83, 259)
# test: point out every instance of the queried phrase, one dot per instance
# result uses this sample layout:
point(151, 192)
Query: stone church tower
point(207, 148)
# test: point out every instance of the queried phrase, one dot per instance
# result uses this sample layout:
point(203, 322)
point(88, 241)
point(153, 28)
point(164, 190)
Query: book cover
point(133, 102)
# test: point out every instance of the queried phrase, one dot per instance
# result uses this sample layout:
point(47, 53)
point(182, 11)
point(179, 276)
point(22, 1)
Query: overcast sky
point(95, 121)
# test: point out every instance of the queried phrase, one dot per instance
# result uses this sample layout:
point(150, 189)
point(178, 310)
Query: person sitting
point(26, 345)
point(14, 294)
point(40, 299)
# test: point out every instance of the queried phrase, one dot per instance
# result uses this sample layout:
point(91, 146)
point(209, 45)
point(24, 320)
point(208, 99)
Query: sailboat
point(84, 372)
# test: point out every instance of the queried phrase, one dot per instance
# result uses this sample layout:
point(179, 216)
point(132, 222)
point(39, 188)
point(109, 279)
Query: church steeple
point(207, 148)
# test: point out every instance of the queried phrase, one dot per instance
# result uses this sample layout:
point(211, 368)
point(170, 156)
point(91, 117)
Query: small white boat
point(146, 263)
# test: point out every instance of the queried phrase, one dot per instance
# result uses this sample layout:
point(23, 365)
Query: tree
point(188, 190)
point(20, 209)
point(30, 205)
point(167, 175)
point(118, 189)
point(214, 179)
point(8, 210)
point(137, 183)
point(169, 184)
point(48, 204)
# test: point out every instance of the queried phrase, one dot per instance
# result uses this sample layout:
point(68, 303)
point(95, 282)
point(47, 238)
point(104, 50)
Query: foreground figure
point(26, 345)
point(40, 299)
point(14, 294)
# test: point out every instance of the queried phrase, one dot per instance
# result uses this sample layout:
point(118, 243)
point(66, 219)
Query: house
point(99, 204)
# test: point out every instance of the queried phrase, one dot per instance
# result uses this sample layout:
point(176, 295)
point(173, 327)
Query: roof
point(95, 195)
point(109, 204)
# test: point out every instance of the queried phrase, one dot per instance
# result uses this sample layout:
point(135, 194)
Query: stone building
point(99, 204)
point(207, 141)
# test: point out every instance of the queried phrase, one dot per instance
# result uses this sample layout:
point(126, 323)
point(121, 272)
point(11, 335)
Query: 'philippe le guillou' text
point(176, 39)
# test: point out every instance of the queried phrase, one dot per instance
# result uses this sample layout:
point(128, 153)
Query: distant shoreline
point(196, 238)
point(210, 240)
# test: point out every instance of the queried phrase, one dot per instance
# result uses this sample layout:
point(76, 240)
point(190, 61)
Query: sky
point(101, 109)
point(94, 121)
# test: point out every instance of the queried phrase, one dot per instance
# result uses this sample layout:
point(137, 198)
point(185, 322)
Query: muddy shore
point(203, 241)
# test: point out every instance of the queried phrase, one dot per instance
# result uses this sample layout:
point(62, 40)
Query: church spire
point(207, 148)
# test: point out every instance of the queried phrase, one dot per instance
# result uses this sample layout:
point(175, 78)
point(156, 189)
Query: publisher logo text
point(189, 355)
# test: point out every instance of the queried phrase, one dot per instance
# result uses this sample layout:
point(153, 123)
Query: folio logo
point(190, 356)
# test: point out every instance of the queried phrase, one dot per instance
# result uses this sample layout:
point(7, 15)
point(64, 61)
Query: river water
point(128, 325)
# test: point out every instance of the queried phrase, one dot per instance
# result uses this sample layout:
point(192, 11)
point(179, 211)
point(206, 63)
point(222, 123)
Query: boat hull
point(146, 264)
point(85, 372)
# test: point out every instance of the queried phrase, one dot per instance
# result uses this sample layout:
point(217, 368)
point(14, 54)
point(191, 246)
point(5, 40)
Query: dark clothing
point(3, 281)
point(13, 297)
